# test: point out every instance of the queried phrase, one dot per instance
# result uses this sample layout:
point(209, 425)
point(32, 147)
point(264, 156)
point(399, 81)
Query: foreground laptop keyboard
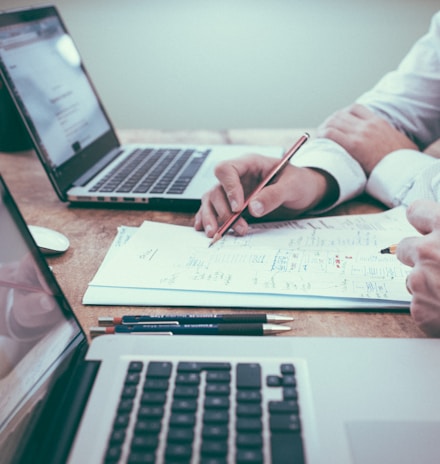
point(207, 413)
point(153, 171)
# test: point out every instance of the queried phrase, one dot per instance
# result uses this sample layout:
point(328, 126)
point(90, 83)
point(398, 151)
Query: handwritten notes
point(319, 262)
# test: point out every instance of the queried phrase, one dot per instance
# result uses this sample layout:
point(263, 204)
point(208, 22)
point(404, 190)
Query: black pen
point(195, 319)
point(192, 329)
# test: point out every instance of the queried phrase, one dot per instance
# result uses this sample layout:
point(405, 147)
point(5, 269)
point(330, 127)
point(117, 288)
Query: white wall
point(214, 64)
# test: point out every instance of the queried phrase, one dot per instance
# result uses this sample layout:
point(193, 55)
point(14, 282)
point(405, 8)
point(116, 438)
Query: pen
point(192, 329)
point(195, 319)
point(391, 250)
point(271, 175)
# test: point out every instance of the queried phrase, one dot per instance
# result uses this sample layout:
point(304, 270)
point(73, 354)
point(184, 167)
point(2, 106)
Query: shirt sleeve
point(409, 97)
point(328, 156)
point(404, 176)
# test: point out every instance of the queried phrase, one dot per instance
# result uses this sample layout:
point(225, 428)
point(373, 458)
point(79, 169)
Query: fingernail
point(234, 205)
point(256, 208)
point(208, 230)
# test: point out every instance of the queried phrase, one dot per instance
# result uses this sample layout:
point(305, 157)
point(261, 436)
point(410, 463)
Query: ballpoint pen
point(194, 319)
point(270, 176)
point(192, 329)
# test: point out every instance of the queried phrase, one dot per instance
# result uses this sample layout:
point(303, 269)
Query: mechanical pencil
point(194, 319)
point(192, 329)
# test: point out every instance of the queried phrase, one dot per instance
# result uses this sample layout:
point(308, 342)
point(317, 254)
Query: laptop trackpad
point(394, 442)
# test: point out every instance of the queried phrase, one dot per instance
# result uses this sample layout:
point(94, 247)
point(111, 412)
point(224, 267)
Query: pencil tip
point(216, 238)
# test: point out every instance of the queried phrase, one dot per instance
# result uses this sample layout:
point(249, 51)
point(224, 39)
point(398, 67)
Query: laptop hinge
point(61, 413)
point(97, 168)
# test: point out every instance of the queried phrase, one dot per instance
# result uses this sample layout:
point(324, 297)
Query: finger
point(269, 199)
point(424, 215)
point(213, 203)
point(426, 315)
point(339, 128)
point(230, 176)
point(423, 250)
point(215, 210)
point(361, 111)
point(425, 307)
point(341, 120)
point(333, 133)
point(406, 250)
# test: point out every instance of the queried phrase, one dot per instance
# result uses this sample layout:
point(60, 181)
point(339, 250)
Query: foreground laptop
point(198, 399)
point(73, 135)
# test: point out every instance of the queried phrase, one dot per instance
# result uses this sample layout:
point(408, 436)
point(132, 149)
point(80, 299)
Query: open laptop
point(73, 135)
point(198, 399)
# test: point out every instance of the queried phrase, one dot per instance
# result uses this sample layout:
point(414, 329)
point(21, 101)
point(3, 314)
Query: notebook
point(73, 135)
point(198, 399)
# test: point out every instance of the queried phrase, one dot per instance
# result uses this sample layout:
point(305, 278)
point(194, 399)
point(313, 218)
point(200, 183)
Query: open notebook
point(198, 398)
point(73, 135)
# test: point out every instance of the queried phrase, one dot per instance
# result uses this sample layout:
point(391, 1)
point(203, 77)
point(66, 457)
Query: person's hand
point(294, 191)
point(423, 255)
point(367, 137)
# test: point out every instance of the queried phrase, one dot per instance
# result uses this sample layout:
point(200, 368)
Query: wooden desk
point(91, 231)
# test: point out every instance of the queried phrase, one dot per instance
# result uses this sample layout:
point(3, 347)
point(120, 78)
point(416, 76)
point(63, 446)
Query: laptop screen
point(37, 327)
point(44, 74)
point(57, 95)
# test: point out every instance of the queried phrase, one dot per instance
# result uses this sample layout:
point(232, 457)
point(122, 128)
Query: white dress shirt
point(408, 98)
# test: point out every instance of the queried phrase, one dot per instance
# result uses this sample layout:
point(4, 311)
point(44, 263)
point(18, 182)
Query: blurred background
point(216, 64)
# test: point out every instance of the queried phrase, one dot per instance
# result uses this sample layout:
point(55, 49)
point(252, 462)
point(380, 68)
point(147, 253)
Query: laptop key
point(144, 442)
point(247, 456)
point(141, 458)
point(159, 369)
point(249, 440)
point(248, 376)
point(180, 435)
point(180, 452)
point(286, 448)
point(215, 447)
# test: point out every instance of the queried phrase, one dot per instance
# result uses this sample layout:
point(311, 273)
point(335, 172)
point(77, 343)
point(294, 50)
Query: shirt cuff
point(394, 176)
point(326, 155)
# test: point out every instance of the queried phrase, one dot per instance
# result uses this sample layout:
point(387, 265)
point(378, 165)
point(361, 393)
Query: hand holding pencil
point(266, 180)
point(249, 183)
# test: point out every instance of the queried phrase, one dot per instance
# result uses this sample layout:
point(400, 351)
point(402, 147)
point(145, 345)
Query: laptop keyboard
point(207, 413)
point(153, 171)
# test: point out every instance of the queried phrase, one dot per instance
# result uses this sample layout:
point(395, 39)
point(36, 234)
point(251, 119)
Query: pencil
point(271, 175)
point(391, 250)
